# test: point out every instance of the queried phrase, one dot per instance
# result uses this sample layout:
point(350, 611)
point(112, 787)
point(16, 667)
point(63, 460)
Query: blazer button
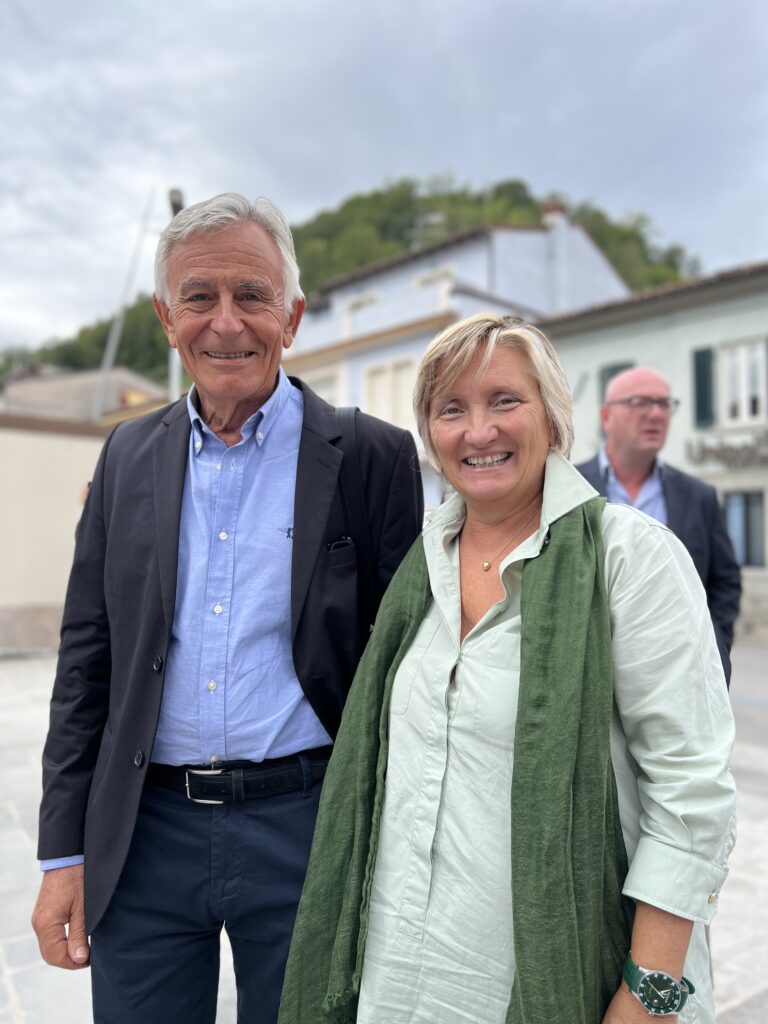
point(157, 663)
point(138, 758)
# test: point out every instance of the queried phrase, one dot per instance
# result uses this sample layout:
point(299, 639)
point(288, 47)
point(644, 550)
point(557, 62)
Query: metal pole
point(176, 199)
point(116, 328)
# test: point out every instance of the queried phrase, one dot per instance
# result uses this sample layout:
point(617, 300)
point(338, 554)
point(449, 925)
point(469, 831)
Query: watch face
point(659, 993)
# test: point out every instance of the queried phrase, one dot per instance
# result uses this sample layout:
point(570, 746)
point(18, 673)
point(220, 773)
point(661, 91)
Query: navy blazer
point(120, 605)
point(694, 515)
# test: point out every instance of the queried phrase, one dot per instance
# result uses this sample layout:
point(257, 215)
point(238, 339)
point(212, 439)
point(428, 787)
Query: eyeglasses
point(642, 403)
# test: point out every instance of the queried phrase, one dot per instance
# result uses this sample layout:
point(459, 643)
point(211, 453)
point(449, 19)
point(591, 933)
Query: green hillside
point(376, 225)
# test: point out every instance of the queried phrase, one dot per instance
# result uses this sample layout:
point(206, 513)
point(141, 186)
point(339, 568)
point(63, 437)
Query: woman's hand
point(625, 1009)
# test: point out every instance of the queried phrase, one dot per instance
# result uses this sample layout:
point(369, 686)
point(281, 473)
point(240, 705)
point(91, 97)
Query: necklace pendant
point(486, 565)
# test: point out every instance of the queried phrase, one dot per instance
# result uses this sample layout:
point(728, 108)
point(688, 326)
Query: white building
point(362, 343)
point(709, 338)
point(361, 346)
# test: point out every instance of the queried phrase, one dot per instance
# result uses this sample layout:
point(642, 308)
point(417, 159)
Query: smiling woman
point(501, 822)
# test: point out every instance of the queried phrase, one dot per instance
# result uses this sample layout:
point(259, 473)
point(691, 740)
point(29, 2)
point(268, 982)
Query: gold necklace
point(486, 562)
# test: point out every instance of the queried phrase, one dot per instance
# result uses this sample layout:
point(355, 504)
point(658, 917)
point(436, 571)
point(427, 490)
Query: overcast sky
point(654, 106)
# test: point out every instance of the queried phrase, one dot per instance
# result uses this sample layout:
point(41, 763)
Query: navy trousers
point(191, 870)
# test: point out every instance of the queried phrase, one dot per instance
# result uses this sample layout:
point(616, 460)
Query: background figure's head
point(635, 415)
point(224, 211)
point(455, 348)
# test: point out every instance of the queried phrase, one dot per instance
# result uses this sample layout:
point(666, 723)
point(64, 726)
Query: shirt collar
point(606, 468)
point(564, 489)
point(256, 427)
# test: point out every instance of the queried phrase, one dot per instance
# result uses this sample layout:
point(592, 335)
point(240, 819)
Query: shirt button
point(198, 445)
point(157, 663)
point(138, 758)
point(223, 535)
point(713, 897)
point(260, 436)
point(217, 609)
point(211, 685)
point(218, 466)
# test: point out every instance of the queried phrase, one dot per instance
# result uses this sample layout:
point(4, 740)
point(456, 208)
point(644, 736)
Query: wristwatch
point(658, 992)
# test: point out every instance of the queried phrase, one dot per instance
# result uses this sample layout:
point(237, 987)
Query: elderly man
point(231, 554)
point(635, 417)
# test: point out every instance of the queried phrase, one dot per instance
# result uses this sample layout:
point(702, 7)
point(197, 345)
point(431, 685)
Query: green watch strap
point(633, 975)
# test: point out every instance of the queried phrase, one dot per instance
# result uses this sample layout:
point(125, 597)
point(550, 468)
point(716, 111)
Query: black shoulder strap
point(356, 516)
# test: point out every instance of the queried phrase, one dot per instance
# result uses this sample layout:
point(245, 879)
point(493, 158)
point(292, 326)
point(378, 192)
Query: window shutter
point(704, 387)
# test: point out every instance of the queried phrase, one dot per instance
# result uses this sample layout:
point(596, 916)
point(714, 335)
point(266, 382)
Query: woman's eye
point(450, 410)
point(508, 400)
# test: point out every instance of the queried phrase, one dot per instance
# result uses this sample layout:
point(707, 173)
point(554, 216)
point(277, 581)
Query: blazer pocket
point(341, 552)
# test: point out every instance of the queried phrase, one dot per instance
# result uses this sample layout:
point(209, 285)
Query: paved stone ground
point(32, 993)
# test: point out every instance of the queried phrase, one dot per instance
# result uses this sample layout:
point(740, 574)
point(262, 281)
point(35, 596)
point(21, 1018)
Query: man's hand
point(59, 918)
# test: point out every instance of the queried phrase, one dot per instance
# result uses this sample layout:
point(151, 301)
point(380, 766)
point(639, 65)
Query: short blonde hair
point(451, 352)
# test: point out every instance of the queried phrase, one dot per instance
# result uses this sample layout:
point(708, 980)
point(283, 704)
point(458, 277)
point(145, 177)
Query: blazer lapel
point(675, 500)
point(316, 478)
point(170, 463)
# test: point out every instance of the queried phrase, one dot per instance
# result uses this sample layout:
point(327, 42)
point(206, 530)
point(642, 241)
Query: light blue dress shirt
point(650, 498)
point(230, 690)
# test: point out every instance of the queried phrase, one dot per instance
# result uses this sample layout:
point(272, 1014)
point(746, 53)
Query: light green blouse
point(439, 945)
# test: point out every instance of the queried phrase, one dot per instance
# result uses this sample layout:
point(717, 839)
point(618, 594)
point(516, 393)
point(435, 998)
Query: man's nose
point(225, 318)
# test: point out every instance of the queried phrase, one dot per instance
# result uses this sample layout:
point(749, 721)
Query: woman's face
point(491, 433)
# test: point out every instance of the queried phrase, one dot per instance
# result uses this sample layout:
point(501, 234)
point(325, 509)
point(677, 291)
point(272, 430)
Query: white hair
point(220, 212)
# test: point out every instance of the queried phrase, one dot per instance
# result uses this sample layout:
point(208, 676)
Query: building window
point(745, 519)
point(389, 391)
point(744, 383)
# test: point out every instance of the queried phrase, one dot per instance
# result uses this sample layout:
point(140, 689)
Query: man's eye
point(199, 297)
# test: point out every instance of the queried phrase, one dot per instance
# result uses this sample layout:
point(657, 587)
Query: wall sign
point(733, 454)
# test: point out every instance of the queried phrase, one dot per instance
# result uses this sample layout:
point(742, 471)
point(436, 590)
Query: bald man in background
point(635, 417)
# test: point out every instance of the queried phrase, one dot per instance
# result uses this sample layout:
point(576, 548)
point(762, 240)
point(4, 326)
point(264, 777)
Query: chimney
point(556, 221)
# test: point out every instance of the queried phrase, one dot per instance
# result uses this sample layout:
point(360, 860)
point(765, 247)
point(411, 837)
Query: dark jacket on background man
point(695, 517)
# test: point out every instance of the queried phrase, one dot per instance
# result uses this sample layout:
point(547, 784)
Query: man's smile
point(229, 355)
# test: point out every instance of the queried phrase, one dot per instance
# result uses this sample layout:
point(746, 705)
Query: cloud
point(651, 107)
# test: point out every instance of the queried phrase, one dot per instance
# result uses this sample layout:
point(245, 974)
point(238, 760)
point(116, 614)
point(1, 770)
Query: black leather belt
point(235, 781)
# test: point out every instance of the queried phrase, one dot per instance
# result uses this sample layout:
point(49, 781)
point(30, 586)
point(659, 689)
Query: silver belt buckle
point(201, 771)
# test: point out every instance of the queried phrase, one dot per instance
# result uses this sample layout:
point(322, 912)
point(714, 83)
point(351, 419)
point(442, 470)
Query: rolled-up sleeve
point(675, 716)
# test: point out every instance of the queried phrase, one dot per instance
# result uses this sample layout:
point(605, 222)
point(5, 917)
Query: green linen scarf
point(571, 923)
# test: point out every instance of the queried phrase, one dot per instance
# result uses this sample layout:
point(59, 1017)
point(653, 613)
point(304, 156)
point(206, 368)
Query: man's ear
point(293, 322)
point(165, 318)
point(605, 412)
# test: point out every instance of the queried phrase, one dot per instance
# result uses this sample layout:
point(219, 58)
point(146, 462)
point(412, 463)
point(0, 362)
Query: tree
point(373, 226)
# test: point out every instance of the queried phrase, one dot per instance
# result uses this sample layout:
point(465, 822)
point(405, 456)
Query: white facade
point(709, 338)
point(362, 344)
point(46, 468)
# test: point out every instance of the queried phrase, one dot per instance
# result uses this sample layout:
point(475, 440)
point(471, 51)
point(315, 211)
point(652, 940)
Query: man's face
point(226, 315)
point(633, 432)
